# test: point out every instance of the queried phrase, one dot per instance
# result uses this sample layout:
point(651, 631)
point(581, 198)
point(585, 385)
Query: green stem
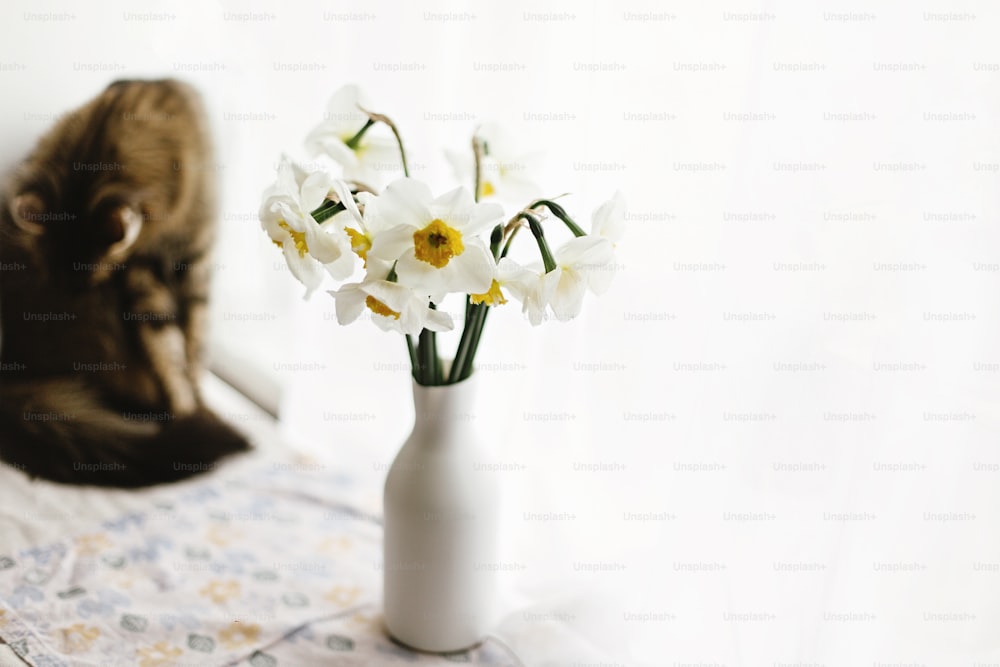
point(495, 239)
point(560, 213)
point(470, 310)
point(458, 365)
point(413, 354)
point(543, 246)
point(327, 210)
point(461, 368)
point(479, 324)
point(381, 118)
point(402, 151)
point(510, 239)
point(426, 353)
point(353, 142)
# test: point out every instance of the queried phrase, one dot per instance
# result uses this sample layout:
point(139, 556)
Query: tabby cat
point(105, 231)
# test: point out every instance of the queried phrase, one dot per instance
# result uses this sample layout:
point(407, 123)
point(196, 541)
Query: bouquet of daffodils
point(416, 248)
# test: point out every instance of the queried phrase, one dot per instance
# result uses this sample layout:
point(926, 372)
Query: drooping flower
point(434, 242)
point(525, 285)
point(608, 223)
point(394, 307)
point(531, 286)
point(609, 219)
point(506, 171)
point(308, 246)
point(582, 262)
point(365, 158)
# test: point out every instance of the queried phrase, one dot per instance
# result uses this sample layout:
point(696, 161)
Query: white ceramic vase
point(441, 524)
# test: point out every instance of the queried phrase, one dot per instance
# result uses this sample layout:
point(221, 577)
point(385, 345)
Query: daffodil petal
point(269, 223)
point(347, 199)
point(289, 214)
point(531, 287)
point(548, 284)
point(381, 155)
point(341, 268)
point(391, 243)
point(567, 299)
point(314, 190)
point(404, 202)
point(286, 184)
point(535, 310)
point(323, 246)
point(391, 324)
point(298, 171)
point(439, 321)
point(421, 275)
point(473, 271)
point(305, 269)
point(588, 251)
point(414, 311)
point(509, 271)
point(453, 207)
point(349, 301)
point(393, 295)
point(609, 218)
point(343, 110)
point(337, 150)
point(485, 216)
point(378, 269)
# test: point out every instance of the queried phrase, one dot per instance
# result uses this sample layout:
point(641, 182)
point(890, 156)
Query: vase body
point(441, 524)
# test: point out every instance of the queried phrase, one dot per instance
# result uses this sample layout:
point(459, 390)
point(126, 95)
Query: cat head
point(83, 237)
point(118, 176)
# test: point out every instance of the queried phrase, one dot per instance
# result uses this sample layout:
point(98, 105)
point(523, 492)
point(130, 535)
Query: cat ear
point(28, 211)
point(122, 227)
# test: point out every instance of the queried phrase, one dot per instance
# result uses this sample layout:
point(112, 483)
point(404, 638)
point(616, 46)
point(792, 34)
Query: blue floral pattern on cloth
point(263, 571)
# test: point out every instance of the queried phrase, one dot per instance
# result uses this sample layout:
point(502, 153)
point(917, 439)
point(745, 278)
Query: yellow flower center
point(380, 308)
point(493, 296)
point(437, 243)
point(360, 244)
point(298, 238)
point(488, 189)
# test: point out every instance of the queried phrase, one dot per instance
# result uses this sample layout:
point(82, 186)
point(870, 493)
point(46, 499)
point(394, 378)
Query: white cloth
point(274, 559)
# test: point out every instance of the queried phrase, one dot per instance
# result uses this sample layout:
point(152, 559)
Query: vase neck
point(445, 408)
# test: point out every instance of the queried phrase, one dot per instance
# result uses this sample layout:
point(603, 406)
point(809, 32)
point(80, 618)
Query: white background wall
point(805, 318)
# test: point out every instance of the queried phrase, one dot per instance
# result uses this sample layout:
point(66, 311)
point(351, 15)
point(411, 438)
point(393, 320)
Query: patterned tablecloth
point(264, 570)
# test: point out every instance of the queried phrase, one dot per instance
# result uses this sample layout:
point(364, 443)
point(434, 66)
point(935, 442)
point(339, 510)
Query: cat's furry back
point(105, 232)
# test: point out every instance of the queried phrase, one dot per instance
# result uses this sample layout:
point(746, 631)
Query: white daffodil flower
point(531, 286)
point(609, 219)
point(434, 242)
point(361, 233)
point(309, 247)
point(608, 222)
point(364, 160)
point(506, 172)
point(582, 262)
point(394, 307)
